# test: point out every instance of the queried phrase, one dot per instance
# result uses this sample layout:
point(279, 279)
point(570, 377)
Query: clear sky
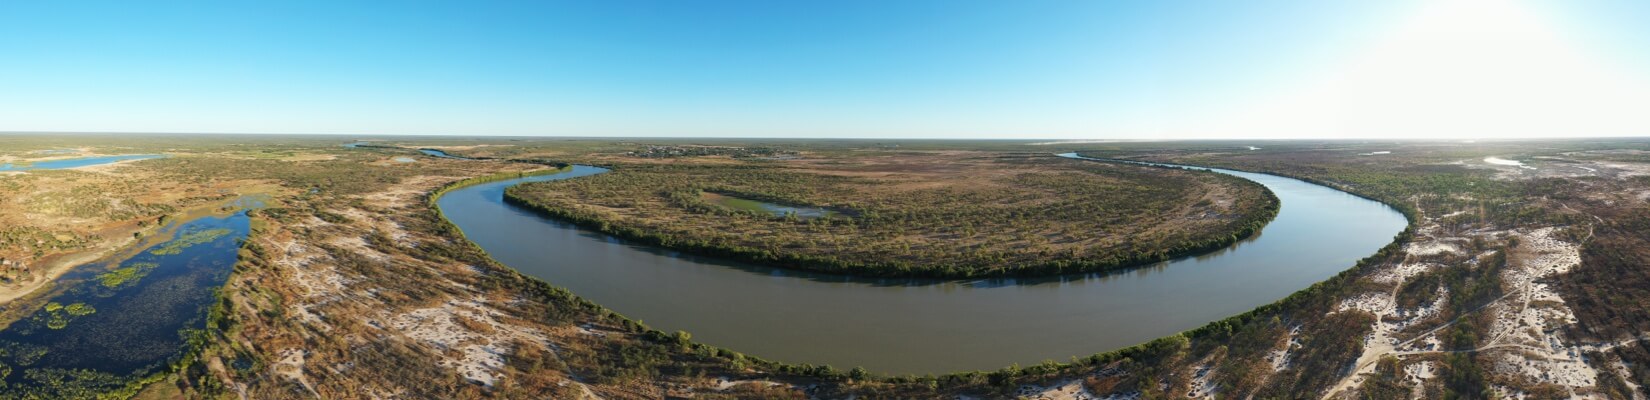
point(1077, 69)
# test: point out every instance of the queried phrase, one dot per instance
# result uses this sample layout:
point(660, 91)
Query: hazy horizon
point(1041, 140)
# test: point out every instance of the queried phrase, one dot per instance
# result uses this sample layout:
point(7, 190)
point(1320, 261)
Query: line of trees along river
point(1059, 217)
point(927, 326)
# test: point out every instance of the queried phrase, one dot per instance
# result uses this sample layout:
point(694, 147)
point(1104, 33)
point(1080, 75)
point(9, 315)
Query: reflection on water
point(73, 162)
point(441, 154)
point(930, 326)
point(118, 319)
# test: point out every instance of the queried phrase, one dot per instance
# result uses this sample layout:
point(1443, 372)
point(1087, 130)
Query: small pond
point(441, 154)
point(777, 210)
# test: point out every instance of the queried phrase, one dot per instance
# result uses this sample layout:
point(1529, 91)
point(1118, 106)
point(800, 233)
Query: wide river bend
point(907, 326)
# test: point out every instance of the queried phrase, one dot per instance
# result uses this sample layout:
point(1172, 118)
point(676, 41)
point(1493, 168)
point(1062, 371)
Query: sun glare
point(1461, 68)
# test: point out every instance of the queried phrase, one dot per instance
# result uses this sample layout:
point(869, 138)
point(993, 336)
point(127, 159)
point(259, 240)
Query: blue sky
point(941, 69)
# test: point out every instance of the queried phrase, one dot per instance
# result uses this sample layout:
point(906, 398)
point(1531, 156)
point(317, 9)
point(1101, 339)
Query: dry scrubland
point(909, 213)
point(51, 220)
point(351, 286)
point(1512, 281)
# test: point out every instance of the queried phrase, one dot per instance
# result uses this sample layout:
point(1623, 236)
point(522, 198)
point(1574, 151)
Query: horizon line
point(1044, 140)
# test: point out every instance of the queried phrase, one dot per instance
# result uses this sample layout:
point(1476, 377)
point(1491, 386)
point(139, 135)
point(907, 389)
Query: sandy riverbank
point(53, 266)
point(126, 237)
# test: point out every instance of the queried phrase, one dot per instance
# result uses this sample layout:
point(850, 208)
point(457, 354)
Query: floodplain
point(1503, 278)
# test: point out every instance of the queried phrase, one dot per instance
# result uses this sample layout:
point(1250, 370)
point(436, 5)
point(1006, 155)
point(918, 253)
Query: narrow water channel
point(905, 326)
point(441, 154)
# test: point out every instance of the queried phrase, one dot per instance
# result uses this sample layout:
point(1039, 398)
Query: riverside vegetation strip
point(1298, 347)
point(1494, 292)
point(595, 353)
point(952, 215)
point(350, 245)
point(365, 257)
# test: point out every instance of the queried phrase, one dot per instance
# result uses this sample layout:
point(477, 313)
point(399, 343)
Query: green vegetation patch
point(126, 275)
point(79, 309)
point(57, 316)
point(176, 246)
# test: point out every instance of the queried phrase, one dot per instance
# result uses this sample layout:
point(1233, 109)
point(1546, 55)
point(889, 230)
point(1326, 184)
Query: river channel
point(903, 326)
